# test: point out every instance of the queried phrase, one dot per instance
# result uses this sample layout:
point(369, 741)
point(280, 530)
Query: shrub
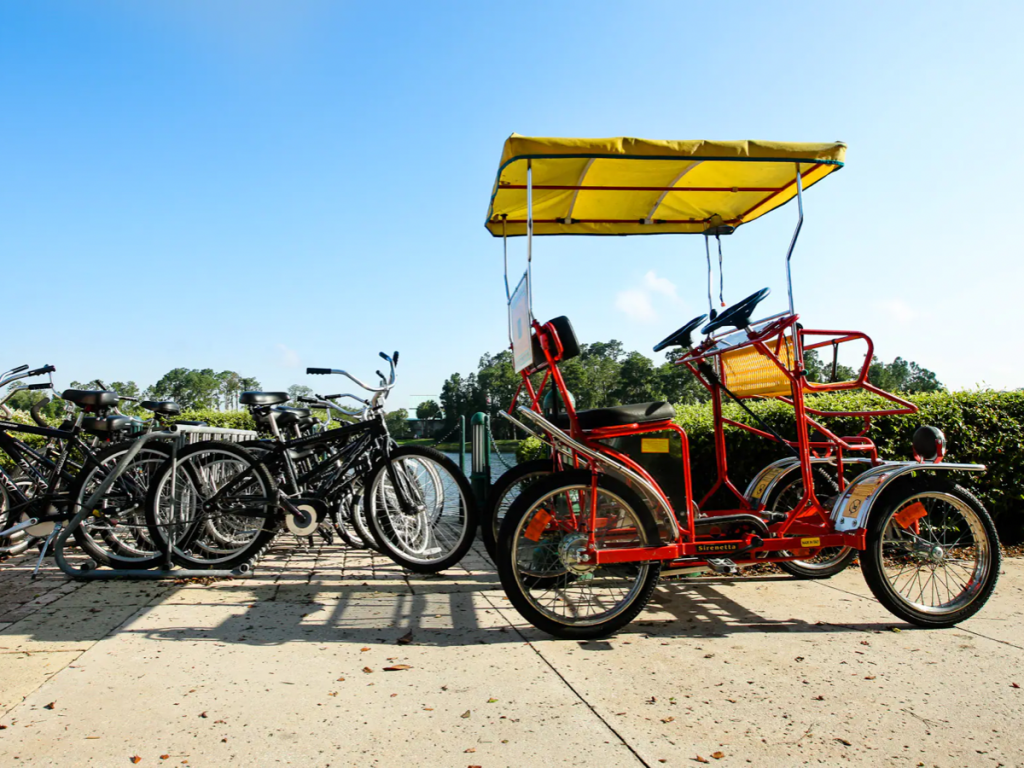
point(981, 427)
point(529, 449)
point(223, 419)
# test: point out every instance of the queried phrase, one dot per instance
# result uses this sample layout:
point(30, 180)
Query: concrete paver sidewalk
point(289, 667)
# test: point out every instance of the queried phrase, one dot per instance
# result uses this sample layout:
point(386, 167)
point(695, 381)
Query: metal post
point(529, 235)
point(481, 476)
point(462, 444)
point(796, 233)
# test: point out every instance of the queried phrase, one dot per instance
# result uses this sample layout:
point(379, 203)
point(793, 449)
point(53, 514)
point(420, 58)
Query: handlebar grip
point(304, 399)
point(384, 357)
point(331, 397)
point(382, 377)
point(34, 411)
point(318, 371)
point(395, 357)
point(45, 385)
point(19, 369)
point(40, 371)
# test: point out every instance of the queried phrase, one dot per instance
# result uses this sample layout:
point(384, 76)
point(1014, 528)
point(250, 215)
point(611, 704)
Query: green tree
point(601, 362)
point(190, 388)
point(903, 376)
point(453, 399)
point(398, 423)
point(230, 388)
point(428, 410)
point(638, 381)
point(295, 391)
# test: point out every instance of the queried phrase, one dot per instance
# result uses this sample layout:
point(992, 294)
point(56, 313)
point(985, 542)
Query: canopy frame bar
point(661, 197)
point(579, 186)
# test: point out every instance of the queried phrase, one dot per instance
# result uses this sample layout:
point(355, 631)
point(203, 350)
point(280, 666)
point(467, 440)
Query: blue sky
point(262, 186)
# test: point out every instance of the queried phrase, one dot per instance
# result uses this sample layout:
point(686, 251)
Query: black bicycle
point(48, 482)
point(219, 505)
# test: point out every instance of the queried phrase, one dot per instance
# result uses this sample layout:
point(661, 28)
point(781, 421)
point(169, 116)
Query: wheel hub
point(575, 555)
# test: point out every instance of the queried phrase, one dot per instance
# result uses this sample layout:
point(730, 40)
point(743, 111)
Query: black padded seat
point(166, 407)
point(263, 398)
point(106, 424)
point(619, 415)
point(289, 409)
point(95, 398)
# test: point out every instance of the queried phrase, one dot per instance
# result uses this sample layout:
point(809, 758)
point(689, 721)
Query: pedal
point(724, 566)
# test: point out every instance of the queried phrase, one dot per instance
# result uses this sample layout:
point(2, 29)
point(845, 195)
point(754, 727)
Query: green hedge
point(981, 428)
point(222, 419)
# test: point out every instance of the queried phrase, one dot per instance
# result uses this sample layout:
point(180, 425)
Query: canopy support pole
point(508, 308)
point(504, 245)
point(707, 252)
point(796, 234)
point(529, 234)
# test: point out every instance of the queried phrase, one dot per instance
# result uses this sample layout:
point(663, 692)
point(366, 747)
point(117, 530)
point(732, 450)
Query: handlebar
point(318, 371)
point(34, 411)
point(22, 372)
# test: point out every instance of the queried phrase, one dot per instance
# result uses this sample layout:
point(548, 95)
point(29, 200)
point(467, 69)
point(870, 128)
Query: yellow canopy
point(628, 186)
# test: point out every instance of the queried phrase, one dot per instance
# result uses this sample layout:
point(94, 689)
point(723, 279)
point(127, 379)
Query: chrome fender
point(853, 506)
point(760, 488)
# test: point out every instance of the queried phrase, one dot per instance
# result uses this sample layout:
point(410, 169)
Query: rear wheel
point(932, 554)
point(216, 509)
point(116, 534)
point(506, 489)
point(547, 570)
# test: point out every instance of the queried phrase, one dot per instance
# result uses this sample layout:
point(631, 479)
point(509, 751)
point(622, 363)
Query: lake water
point(497, 467)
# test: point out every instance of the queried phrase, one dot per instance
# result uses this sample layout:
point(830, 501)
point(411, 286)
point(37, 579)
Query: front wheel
point(421, 509)
point(932, 554)
point(547, 568)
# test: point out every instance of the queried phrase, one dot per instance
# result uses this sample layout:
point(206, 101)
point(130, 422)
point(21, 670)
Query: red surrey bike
point(581, 538)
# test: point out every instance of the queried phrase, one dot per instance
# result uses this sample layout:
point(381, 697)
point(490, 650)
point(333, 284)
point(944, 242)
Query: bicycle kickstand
point(45, 547)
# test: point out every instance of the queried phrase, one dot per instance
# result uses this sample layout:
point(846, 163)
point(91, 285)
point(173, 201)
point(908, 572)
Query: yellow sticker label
point(654, 445)
point(860, 493)
point(810, 543)
point(769, 475)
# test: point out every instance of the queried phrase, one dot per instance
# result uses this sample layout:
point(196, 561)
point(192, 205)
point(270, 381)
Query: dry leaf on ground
point(405, 639)
point(397, 667)
point(465, 714)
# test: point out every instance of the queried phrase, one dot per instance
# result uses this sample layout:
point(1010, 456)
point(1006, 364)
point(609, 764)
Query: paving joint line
point(569, 685)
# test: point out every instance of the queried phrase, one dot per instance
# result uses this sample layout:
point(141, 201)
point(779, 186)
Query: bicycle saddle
point(263, 398)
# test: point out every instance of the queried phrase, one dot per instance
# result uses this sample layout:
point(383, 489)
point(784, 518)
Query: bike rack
point(177, 435)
